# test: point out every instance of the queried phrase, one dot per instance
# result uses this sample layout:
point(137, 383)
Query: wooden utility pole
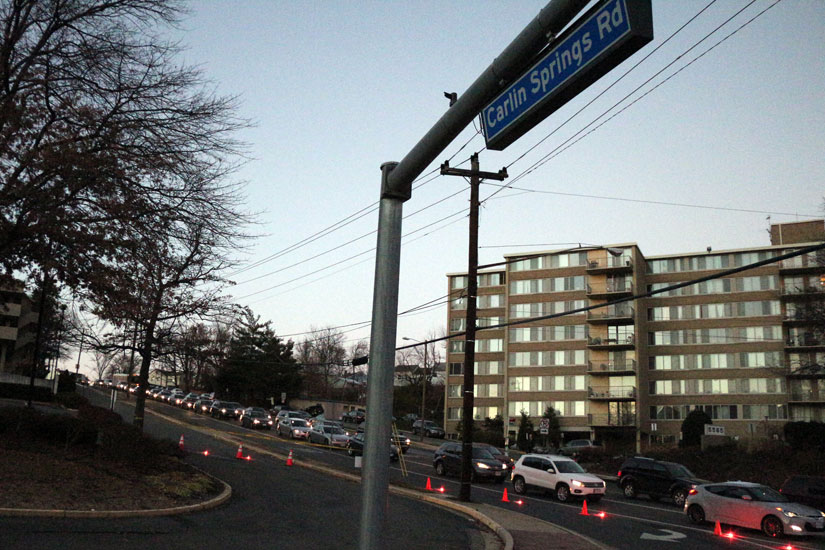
point(475, 176)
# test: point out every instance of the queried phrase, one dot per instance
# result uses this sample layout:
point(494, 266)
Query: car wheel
point(679, 497)
point(696, 514)
point(629, 489)
point(519, 486)
point(563, 493)
point(771, 526)
point(439, 469)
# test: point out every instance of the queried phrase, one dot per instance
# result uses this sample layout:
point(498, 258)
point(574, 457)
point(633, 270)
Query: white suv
point(559, 474)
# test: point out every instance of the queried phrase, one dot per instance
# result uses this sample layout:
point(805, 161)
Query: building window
point(487, 301)
point(456, 369)
point(490, 279)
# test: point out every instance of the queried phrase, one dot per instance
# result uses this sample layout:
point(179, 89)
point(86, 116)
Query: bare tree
point(324, 358)
point(101, 131)
point(103, 364)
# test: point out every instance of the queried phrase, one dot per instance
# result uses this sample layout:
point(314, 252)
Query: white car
point(753, 506)
point(556, 473)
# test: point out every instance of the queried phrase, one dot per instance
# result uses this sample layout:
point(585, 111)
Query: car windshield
point(482, 453)
point(568, 467)
point(257, 414)
point(494, 451)
point(334, 430)
point(677, 470)
point(766, 494)
point(299, 422)
point(230, 405)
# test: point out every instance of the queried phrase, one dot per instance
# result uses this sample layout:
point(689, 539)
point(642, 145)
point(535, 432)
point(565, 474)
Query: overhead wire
point(583, 132)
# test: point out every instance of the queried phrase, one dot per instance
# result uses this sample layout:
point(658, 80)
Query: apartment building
point(745, 347)
point(17, 323)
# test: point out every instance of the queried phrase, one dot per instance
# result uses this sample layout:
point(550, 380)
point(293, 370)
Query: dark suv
point(809, 490)
point(447, 460)
point(657, 479)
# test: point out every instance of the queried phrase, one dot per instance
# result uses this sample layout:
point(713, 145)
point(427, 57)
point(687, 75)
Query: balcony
point(805, 396)
point(611, 367)
point(614, 315)
point(799, 316)
point(619, 393)
point(800, 264)
point(620, 420)
point(609, 264)
point(610, 289)
point(806, 341)
point(809, 292)
point(603, 343)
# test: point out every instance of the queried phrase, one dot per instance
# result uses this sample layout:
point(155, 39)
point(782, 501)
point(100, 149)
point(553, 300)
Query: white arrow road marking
point(671, 536)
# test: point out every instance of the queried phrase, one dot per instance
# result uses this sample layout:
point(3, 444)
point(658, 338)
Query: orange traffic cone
point(289, 458)
point(584, 508)
point(718, 529)
point(429, 487)
point(180, 443)
point(504, 496)
point(239, 454)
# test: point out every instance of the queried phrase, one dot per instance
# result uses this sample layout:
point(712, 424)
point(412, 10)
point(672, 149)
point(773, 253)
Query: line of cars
point(740, 503)
point(293, 424)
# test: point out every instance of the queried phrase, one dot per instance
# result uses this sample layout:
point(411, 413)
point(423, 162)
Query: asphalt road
point(272, 506)
point(638, 524)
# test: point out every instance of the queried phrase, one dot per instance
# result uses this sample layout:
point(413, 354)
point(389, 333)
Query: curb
point(225, 495)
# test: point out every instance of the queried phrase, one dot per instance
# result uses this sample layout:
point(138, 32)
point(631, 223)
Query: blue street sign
point(606, 35)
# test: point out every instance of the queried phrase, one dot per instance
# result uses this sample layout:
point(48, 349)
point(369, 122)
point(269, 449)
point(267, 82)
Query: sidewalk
point(530, 533)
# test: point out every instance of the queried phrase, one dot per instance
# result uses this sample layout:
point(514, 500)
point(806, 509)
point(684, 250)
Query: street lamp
point(423, 383)
point(59, 342)
point(80, 352)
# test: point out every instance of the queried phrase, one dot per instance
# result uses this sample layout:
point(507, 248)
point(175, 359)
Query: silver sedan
point(753, 506)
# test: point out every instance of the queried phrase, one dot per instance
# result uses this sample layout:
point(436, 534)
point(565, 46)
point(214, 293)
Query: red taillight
point(692, 492)
point(619, 474)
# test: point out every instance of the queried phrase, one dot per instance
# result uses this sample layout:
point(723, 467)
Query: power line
point(644, 201)
point(584, 132)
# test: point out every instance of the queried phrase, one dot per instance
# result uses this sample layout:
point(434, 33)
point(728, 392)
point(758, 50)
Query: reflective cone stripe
point(289, 458)
point(180, 443)
point(239, 454)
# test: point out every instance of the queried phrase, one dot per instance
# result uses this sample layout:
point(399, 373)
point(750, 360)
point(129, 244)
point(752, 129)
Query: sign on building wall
point(710, 429)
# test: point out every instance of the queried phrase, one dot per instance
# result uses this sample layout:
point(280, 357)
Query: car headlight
point(504, 466)
point(577, 483)
point(788, 513)
point(482, 466)
point(256, 421)
point(823, 514)
point(223, 411)
point(408, 442)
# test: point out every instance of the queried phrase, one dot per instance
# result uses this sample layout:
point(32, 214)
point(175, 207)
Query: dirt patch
point(39, 475)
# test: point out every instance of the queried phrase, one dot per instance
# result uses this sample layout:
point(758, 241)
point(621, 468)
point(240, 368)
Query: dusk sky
point(335, 89)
